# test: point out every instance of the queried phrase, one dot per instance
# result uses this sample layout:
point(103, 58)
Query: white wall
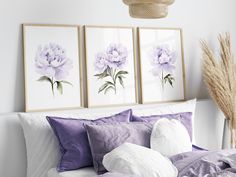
point(198, 18)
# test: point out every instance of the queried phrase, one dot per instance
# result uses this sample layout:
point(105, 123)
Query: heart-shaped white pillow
point(170, 137)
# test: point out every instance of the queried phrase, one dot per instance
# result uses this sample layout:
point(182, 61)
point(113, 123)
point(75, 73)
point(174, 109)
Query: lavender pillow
point(106, 137)
point(73, 139)
point(185, 118)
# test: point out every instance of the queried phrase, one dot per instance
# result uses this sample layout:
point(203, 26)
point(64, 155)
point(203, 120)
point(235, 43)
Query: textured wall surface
point(198, 19)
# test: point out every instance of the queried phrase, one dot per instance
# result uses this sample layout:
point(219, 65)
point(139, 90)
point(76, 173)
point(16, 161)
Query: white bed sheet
point(83, 172)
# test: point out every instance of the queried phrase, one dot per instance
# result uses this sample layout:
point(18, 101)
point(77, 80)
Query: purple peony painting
point(52, 63)
point(52, 67)
point(163, 59)
point(109, 66)
point(162, 65)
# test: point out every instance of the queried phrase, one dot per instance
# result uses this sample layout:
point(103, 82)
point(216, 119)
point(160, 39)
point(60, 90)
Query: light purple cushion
point(104, 138)
point(73, 139)
point(185, 118)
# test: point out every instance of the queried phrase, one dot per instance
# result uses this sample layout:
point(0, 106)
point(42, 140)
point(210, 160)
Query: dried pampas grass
point(220, 78)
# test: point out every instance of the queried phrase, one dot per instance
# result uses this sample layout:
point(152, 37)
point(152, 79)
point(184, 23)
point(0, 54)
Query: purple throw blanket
point(199, 164)
point(204, 163)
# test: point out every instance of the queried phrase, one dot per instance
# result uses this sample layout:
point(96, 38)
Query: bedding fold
point(204, 163)
point(220, 163)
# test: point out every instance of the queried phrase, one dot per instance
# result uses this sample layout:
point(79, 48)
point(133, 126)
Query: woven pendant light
point(148, 8)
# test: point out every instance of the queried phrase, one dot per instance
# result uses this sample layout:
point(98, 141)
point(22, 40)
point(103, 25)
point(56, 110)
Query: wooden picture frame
point(120, 91)
point(52, 67)
point(162, 71)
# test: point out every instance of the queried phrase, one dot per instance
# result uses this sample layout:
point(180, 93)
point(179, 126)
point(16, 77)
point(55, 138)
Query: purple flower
point(109, 65)
point(51, 61)
point(162, 59)
point(101, 62)
point(116, 56)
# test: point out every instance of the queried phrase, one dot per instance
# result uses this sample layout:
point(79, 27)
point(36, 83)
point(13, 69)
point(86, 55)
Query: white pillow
point(133, 159)
point(170, 108)
point(41, 144)
point(170, 137)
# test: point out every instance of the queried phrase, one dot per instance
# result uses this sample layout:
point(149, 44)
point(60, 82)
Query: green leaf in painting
point(44, 78)
point(170, 79)
point(97, 75)
point(121, 81)
point(102, 75)
point(59, 87)
point(104, 86)
point(66, 82)
point(167, 76)
point(108, 88)
point(120, 73)
point(170, 82)
point(110, 83)
point(109, 71)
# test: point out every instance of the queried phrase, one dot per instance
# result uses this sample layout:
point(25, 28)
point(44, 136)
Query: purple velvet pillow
point(106, 137)
point(73, 139)
point(185, 118)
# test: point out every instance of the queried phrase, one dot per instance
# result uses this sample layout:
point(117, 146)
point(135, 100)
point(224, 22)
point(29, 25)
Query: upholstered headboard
point(208, 125)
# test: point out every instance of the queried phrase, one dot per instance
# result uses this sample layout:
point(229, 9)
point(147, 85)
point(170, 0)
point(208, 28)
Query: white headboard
point(208, 134)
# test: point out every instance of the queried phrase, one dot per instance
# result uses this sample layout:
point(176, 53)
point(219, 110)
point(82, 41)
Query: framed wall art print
point(110, 65)
point(161, 65)
point(52, 67)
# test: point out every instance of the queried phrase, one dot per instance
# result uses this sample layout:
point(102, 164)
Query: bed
point(197, 163)
point(13, 160)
